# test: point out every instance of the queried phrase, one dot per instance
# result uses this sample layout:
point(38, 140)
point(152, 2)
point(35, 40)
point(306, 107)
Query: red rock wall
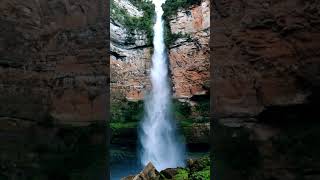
point(53, 60)
point(264, 53)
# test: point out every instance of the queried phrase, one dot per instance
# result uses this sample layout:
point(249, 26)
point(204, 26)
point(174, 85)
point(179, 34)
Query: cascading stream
point(160, 143)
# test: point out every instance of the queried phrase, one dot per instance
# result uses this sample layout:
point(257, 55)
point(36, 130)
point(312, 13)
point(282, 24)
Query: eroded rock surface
point(53, 61)
point(130, 59)
point(189, 58)
point(264, 54)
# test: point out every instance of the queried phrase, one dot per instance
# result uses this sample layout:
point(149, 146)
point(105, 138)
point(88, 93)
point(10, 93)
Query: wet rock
point(128, 178)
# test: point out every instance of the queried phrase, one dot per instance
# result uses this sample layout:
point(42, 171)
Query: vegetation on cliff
point(132, 23)
point(196, 170)
point(172, 6)
point(170, 9)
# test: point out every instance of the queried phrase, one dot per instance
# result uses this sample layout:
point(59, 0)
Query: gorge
point(263, 59)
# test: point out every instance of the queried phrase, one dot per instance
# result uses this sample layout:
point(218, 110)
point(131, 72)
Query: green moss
point(135, 23)
point(170, 37)
point(181, 175)
point(126, 111)
point(181, 109)
point(116, 126)
point(200, 170)
point(202, 175)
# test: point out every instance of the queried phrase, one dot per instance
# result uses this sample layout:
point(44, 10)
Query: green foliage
point(202, 175)
point(116, 126)
point(170, 8)
point(182, 108)
point(126, 111)
point(135, 23)
point(200, 172)
point(203, 108)
point(182, 174)
point(170, 37)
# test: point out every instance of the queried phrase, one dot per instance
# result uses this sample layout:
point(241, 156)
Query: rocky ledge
point(196, 169)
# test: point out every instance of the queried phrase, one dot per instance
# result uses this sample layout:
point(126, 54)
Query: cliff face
point(264, 54)
point(53, 74)
point(265, 88)
point(130, 59)
point(189, 58)
point(53, 61)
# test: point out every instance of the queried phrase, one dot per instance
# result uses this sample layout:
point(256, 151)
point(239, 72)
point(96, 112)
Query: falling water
point(159, 141)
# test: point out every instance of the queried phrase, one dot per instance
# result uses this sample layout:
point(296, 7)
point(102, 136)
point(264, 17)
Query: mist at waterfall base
point(159, 140)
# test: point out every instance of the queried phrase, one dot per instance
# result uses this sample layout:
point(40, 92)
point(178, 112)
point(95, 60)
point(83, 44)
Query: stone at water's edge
point(169, 173)
point(194, 167)
point(148, 173)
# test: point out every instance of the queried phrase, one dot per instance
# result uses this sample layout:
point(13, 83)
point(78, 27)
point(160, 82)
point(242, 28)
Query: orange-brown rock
point(189, 59)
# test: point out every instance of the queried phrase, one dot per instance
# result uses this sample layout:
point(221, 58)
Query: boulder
point(148, 173)
point(169, 173)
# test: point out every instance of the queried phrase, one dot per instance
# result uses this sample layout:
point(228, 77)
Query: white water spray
point(159, 141)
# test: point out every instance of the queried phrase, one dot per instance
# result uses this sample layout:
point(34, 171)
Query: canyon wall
point(265, 89)
point(265, 53)
point(53, 61)
point(188, 58)
point(53, 89)
point(130, 61)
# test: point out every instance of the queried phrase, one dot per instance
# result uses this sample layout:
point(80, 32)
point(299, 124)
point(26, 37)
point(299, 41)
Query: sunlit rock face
point(189, 59)
point(130, 61)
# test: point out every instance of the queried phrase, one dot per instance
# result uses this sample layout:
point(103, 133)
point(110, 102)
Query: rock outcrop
point(148, 173)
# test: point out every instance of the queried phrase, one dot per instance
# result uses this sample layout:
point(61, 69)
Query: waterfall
point(160, 143)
